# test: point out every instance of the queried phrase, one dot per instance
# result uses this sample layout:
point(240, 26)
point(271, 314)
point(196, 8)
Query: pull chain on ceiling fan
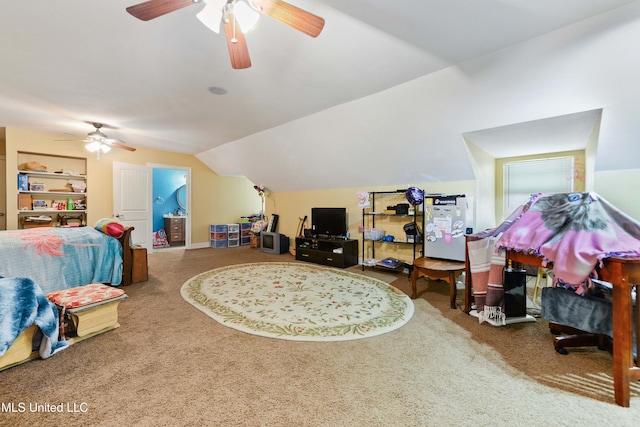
point(236, 17)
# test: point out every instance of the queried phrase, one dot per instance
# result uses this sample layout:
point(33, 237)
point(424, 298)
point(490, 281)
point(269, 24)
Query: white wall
point(484, 168)
point(412, 132)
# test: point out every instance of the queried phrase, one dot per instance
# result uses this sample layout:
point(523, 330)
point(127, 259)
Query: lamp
point(261, 192)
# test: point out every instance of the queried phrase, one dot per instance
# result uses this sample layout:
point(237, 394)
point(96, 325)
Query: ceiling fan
point(97, 142)
point(237, 18)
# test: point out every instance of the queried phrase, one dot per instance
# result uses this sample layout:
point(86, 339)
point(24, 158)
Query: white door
point(3, 193)
point(132, 185)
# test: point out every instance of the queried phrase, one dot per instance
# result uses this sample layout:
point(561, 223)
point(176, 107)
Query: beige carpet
point(169, 364)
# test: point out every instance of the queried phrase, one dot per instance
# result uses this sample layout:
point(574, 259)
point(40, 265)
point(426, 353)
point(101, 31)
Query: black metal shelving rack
point(372, 214)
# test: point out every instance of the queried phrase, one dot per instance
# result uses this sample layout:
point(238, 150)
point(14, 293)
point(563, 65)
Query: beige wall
point(215, 199)
point(620, 189)
point(612, 185)
point(291, 206)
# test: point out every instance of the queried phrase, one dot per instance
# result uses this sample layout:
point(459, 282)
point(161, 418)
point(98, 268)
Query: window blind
point(523, 178)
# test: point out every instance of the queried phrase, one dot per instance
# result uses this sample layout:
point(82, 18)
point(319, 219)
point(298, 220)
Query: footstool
point(87, 310)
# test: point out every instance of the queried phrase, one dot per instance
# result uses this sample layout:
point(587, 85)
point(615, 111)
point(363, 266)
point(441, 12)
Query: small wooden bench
point(86, 311)
point(21, 350)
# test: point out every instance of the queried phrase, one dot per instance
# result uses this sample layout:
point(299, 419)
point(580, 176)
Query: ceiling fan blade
point(291, 15)
point(121, 145)
point(73, 138)
point(153, 8)
point(236, 42)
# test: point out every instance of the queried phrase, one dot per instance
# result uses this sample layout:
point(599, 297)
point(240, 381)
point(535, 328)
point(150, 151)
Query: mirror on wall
point(181, 196)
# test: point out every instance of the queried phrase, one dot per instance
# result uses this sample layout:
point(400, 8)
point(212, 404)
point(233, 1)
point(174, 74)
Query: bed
point(37, 261)
point(60, 258)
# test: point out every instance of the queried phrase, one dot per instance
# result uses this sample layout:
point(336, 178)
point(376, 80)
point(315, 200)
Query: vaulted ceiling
point(372, 82)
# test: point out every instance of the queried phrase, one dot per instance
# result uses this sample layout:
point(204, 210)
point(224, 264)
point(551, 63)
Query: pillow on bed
point(110, 227)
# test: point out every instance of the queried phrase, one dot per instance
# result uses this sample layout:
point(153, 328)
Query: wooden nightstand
point(175, 231)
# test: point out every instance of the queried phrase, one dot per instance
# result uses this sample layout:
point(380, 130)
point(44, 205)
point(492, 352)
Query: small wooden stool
point(87, 310)
point(435, 269)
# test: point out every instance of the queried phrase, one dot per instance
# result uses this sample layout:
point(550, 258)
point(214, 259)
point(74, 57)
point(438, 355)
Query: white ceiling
point(569, 132)
point(66, 63)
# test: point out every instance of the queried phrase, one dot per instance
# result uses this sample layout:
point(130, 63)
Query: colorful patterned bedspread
point(60, 258)
point(575, 231)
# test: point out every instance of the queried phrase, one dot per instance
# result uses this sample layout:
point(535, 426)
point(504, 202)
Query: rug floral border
point(397, 310)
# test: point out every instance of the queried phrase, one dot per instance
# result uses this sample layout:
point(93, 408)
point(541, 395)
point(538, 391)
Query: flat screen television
point(329, 222)
point(273, 243)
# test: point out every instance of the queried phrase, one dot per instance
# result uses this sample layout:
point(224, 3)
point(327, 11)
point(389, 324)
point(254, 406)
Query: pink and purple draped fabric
point(487, 264)
point(575, 231)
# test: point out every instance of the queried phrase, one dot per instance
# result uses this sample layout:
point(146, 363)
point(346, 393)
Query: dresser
point(175, 231)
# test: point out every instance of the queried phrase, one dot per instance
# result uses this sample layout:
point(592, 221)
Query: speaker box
point(515, 292)
point(402, 209)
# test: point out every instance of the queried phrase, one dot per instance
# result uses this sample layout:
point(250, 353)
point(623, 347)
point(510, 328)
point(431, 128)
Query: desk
point(435, 269)
point(622, 274)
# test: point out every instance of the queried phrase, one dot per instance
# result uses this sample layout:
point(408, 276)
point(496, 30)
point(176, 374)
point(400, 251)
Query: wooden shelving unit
point(48, 193)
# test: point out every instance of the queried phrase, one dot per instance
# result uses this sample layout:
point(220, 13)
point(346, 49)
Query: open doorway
point(171, 207)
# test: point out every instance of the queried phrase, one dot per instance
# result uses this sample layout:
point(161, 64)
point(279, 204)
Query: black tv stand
point(328, 237)
point(335, 252)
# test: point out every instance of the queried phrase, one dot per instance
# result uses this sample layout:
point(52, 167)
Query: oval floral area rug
point(296, 301)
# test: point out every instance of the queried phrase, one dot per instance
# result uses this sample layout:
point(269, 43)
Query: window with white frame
point(526, 177)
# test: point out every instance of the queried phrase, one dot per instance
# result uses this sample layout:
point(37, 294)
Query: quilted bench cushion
point(84, 295)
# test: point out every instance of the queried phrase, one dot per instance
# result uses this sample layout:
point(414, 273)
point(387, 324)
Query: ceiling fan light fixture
point(246, 16)
point(93, 146)
point(211, 14)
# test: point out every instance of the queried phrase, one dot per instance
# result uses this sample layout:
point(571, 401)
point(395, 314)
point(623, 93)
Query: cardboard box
point(38, 223)
point(25, 202)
